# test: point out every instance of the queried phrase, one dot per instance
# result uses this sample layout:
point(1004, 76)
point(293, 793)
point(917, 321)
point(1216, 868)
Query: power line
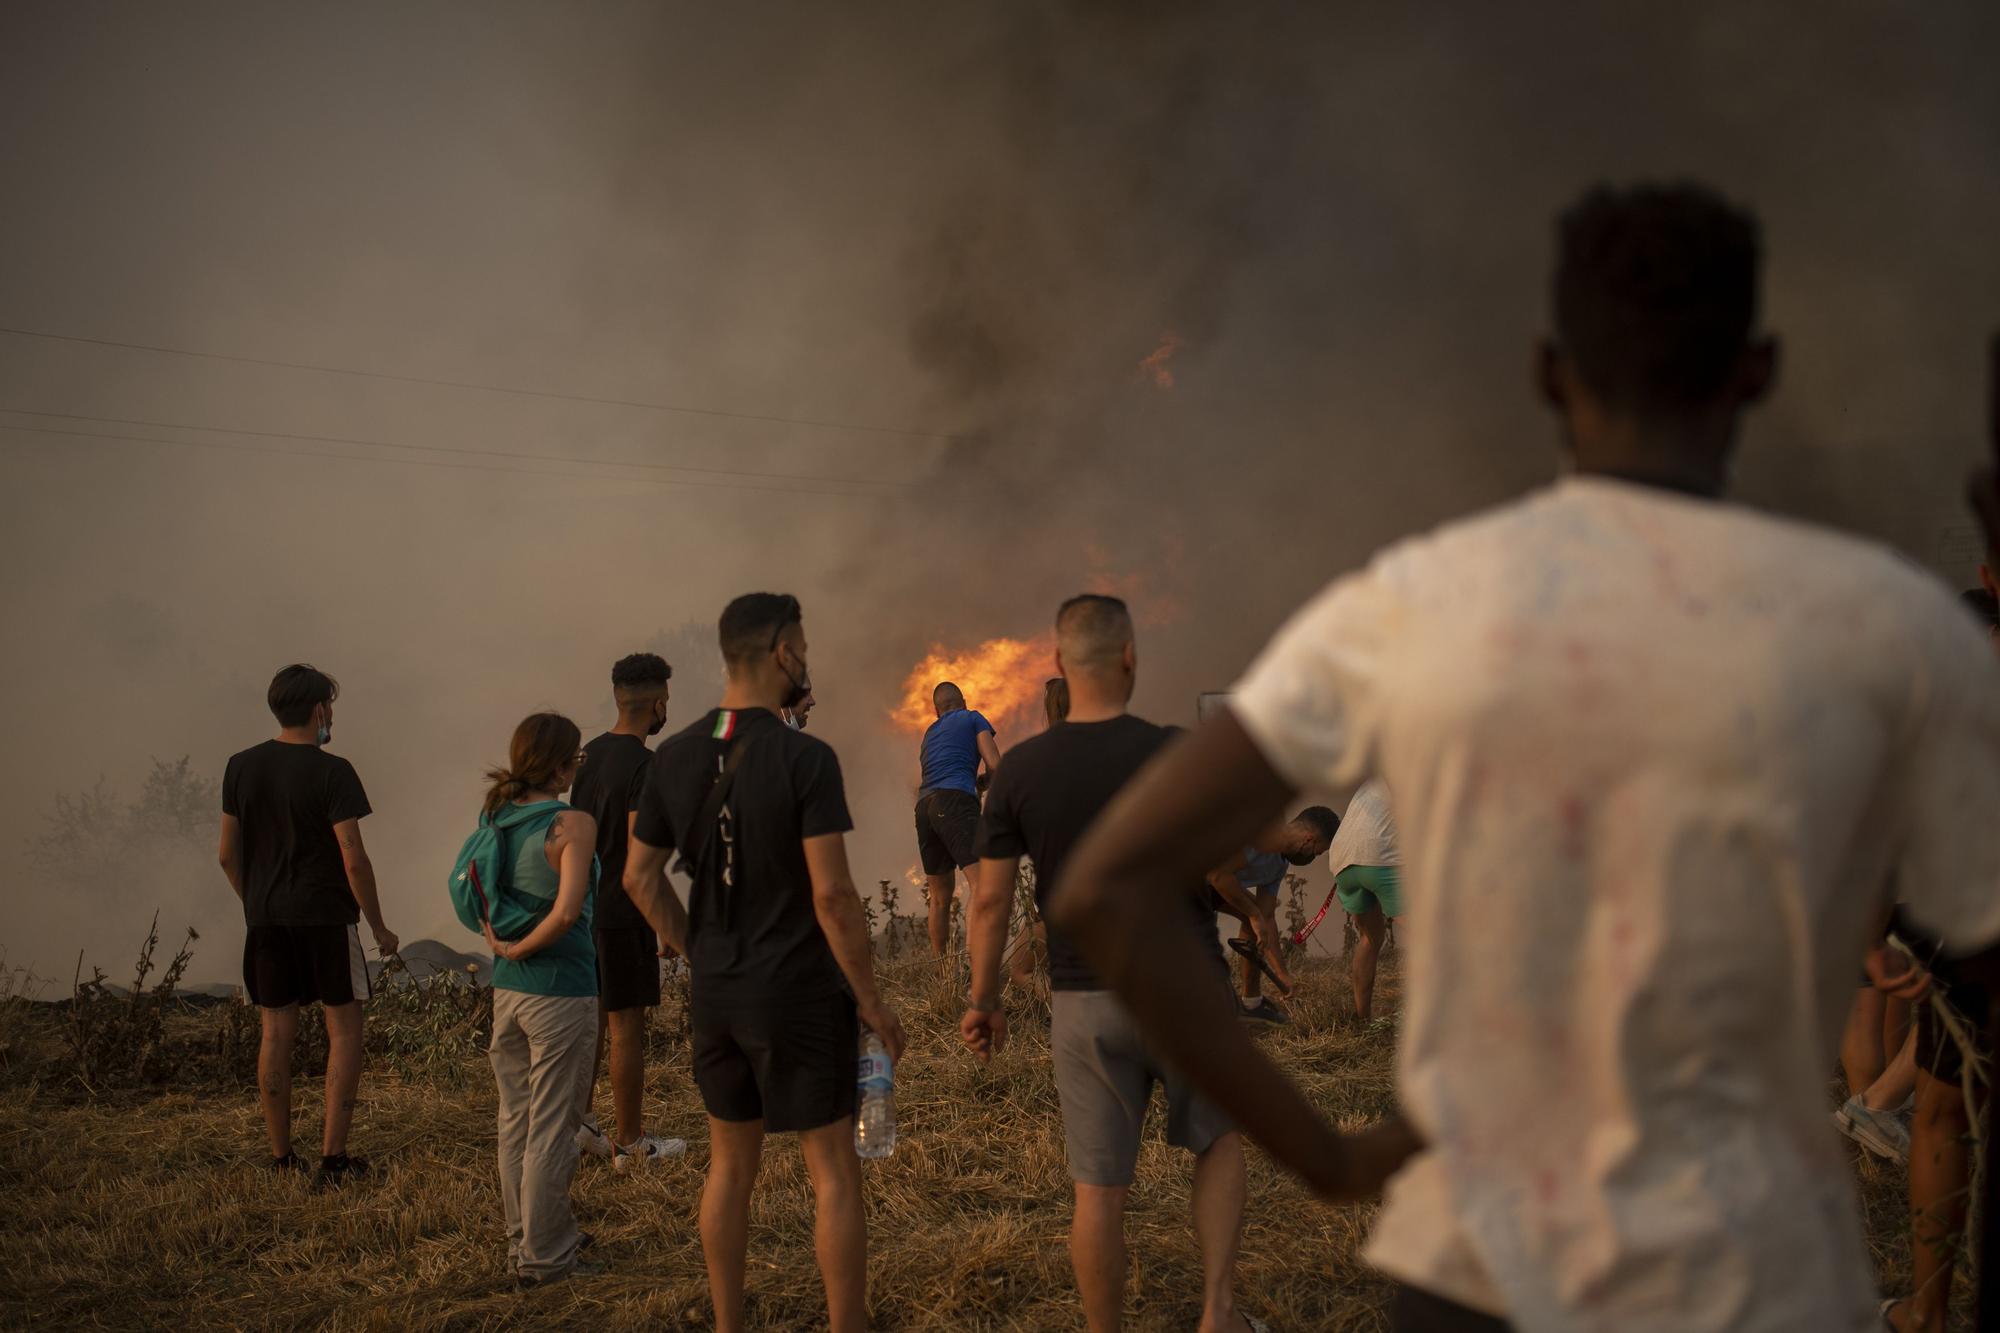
point(814, 423)
point(430, 462)
point(891, 483)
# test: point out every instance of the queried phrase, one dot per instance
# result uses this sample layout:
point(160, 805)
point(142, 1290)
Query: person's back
point(950, 752)
point(783, 976)
point(1655, 762)
point(288, 797)
point(1657, 830)
point(291, 848)
point(566, 966)
point(757, 938)
point(1053, 788)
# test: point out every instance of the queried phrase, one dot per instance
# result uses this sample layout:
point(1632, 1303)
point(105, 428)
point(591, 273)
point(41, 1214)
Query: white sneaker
point(645, 1152)
point(591, 1139)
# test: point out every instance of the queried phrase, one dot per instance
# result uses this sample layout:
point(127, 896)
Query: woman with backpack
point(542, 868)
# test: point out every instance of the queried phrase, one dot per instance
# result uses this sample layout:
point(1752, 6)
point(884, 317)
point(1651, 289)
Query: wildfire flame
point(1002, 678)
point(1155, 362)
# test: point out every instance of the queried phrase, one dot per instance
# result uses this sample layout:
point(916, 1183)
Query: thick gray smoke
point(947, 236)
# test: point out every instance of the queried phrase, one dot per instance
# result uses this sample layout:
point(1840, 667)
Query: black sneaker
point(1265, 1013)
point(286, 1164)
point(581, 1268)
point(338, 1169)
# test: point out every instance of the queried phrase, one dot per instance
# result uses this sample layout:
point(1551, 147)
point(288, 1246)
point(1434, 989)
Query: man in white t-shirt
point(1367, 876)
point(1655, 760)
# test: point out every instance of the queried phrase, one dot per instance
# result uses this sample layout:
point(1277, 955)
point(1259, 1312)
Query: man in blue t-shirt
point(948, 787)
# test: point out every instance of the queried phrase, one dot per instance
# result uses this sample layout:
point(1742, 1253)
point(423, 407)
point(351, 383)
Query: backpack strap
point(702, 836)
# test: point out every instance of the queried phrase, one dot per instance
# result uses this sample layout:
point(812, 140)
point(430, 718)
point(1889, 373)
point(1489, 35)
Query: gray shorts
point(1104, 1075)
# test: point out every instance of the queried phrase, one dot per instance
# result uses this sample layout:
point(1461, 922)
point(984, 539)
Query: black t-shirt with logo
point(1049, 789)
point(614, 767)
point(287, 798)
point(756, 938)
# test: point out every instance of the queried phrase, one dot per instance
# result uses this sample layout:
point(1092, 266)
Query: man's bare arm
point(1246, 907)
point(361, 883)
point(647, 885)
point(230, 853)
point(989, 751)
point(837, 905)
point(984, 1027)
point(1195, 805)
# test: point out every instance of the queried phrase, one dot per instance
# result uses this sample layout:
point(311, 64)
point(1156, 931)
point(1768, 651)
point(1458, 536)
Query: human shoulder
point(572, 825)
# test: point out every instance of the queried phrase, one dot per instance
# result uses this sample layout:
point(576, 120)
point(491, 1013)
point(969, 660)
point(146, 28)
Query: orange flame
point(1002, 678)
point(1155, 362)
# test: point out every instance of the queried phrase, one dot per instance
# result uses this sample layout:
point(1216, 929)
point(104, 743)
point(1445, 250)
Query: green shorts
point(1364, 888)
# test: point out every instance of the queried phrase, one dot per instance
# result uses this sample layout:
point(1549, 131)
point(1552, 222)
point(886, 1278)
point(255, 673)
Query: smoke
point(946, 235)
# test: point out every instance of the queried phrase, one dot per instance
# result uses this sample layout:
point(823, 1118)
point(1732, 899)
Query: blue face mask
point(325, 733)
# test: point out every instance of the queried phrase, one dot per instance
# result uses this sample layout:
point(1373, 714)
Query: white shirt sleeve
point(1310, 700)
point(1948, 867)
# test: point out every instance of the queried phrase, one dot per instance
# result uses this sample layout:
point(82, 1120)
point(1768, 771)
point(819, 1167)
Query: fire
point(1155, 362)
point(1001, 678)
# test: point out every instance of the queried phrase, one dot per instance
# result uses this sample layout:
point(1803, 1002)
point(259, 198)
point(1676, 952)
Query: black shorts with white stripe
point(284, 965)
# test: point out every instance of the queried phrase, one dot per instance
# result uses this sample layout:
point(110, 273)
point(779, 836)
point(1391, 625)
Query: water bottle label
point(874, 1072)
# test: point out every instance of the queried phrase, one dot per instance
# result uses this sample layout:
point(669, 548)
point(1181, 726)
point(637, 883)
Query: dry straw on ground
point(142, 1209)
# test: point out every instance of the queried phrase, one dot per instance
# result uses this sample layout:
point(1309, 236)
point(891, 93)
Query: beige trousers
point(544, 1049)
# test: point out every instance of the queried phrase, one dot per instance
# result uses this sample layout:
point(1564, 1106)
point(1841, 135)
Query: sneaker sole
point(1875, 1143)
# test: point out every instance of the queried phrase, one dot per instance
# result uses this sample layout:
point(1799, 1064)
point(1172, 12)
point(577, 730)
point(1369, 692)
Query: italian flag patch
point(725, 725)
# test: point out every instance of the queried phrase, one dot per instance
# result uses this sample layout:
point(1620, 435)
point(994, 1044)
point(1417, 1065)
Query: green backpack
point(482, 887)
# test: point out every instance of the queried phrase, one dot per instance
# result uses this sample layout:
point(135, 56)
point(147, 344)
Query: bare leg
point(343, 1073)
point(1887, 1092)
point(1367, 949)
point(628, 1073)
point(1861, 1044)
point(274, 1075)
point(938, 889)
point(840, 1227)
point(1940, 1189)
point(735, 1148)
point(1097, 1253)
point(1218, 1224)
point(1896, 1026)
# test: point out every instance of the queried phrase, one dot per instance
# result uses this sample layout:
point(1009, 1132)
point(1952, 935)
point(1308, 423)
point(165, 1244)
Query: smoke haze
point(920, 252)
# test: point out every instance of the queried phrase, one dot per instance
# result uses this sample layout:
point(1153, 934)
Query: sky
point(489, 342)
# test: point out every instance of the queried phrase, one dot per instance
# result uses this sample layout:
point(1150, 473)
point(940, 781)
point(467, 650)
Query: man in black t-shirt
point(1047, 791)
point(291, 847)
point(628, 949)
point(775, 928)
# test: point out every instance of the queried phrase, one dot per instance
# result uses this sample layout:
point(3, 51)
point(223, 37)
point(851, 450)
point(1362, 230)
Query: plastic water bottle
point(875, 1082)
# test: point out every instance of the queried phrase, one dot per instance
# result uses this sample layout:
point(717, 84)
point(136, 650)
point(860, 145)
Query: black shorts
point(628, 968)
point(947, 828)
point(1937, 1054)
point(789, 1063)
point(285, 965)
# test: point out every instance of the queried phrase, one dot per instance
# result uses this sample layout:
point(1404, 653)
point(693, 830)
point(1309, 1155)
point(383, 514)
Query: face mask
point(801, 686)
point(325, 731)
point(795, 722)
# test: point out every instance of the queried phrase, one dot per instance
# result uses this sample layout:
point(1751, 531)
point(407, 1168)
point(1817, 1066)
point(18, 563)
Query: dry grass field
point(147, 1207)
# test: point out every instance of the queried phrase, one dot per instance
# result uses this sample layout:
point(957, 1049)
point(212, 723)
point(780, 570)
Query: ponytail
point(544, 747)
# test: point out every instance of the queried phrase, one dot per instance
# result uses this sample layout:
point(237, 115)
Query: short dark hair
point(751, 624)
point(1983, 605)
point(1656, 293)
point(945, 692)
point(1092, 629)
point(640, 670)
point(1323, 821)
point(296, 690)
